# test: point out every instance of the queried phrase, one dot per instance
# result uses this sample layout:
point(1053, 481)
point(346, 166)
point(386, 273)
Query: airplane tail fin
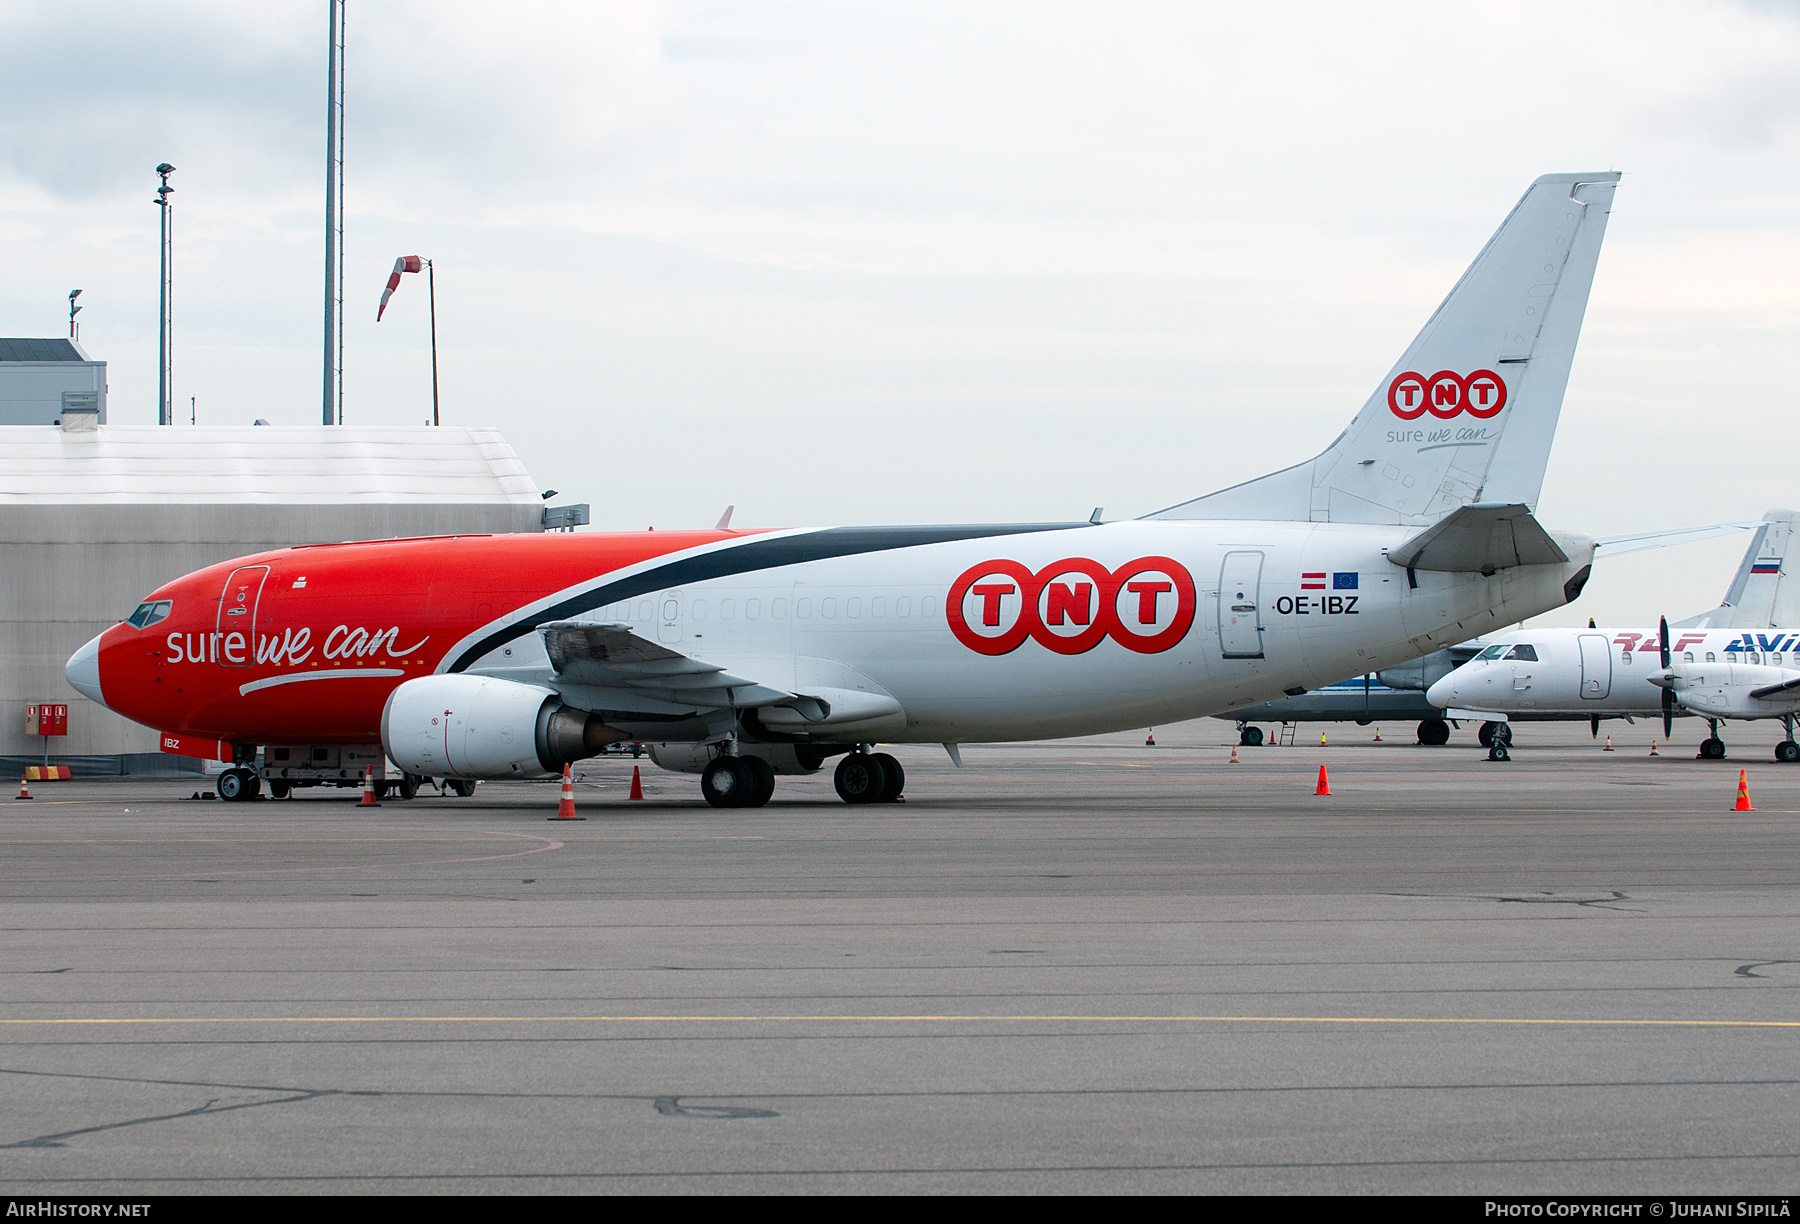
point(1760, 597)
point(1469, 411)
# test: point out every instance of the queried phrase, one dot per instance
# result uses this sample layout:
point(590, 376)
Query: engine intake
point(462, 726)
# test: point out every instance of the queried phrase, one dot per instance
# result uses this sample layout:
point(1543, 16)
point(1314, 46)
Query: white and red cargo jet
point(742, 654)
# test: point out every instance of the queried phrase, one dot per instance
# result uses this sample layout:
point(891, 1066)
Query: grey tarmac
point(1090, 966)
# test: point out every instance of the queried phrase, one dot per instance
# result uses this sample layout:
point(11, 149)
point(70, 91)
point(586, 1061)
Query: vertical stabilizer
point(1469, 411)
point(1760, 596)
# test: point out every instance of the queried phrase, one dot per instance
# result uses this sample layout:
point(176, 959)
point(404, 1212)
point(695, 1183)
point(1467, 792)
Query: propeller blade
point(1594, 724)
point(1668, 701)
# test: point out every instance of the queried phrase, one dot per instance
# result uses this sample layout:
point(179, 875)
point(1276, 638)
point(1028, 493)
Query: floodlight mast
point(334, 220)
point(165, 413)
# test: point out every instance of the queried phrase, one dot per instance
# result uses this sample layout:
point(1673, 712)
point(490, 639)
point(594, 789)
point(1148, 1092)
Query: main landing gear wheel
point(238, 785)
point(1251, 737)
point(763, 775)
point(1712, 749)
point(1434, 731)
point(461, 786)
point(1787, 751)
point(895, 774)
point(409, 785)
point(728, 782)
point(860, 778)
point(280, 790)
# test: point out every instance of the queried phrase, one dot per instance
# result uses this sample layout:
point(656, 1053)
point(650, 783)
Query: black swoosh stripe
point(752, 555)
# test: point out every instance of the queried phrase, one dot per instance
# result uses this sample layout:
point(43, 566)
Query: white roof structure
point(261, 464)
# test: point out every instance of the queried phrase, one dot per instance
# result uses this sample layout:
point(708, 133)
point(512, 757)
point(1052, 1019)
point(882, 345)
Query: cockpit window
point(1526, 654)
point(1492, 652)
point(149, 612)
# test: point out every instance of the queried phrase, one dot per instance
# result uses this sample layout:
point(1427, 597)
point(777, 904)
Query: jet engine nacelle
point(462, 726)
point(784, 758)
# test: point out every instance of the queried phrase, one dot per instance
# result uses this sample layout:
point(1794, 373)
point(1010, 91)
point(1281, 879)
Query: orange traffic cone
point(1653, 751)
point(1234, 760)
point(1150, 740)
point(24, 790)
point(637, 784)
point(566, 809)
point(1743, 802)
point(1608, 747)
point(1377, 733)
point(1324, 787)
point(1321, 739)
point(368, 799)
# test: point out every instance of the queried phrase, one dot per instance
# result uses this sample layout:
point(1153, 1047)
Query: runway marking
point(918, 1019)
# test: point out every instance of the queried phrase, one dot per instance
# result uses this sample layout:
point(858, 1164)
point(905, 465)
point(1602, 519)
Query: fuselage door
point(1596, 667)
point(1240, 612)
point(668, 617)
point(236, 627)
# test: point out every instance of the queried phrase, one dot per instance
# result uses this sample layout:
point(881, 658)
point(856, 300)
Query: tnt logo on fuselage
point(1481, 394)
point(1071, 606)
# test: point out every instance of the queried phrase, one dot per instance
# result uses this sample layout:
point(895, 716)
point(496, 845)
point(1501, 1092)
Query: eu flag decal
point(1343, 582)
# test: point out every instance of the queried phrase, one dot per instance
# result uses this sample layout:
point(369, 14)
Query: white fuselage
point(1113, 636)
point(1605, 671)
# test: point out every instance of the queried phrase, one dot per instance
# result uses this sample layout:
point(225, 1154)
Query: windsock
point(406, 263)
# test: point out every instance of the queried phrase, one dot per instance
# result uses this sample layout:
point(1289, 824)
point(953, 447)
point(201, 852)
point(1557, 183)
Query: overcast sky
point(927, 262)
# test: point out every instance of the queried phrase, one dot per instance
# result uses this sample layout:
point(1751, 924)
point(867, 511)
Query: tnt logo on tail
point(1481, 394)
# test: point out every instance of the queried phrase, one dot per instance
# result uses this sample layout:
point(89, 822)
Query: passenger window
point(853, 607)
point(1687, 656)
point(778, 609)
point(726, 608)
point(646, 610)
point(1730, 656)
point(1753, 658)
point(753, 608)
point(827, 608)
point(698, 607)
point(878, 606)
point(802, 608)
point(1709, 657)
point(903, 606)
point(1775, 658)
point(1625, 657)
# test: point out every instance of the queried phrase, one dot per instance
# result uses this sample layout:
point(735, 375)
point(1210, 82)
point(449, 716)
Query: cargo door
point(1240, 612)
point(236, 624)
point(1596, 666)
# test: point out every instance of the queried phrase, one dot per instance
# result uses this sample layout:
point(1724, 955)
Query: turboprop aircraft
point(742, 654)
point(1734, 661)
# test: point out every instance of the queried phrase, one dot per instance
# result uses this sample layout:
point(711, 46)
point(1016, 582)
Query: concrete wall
point(70, 572)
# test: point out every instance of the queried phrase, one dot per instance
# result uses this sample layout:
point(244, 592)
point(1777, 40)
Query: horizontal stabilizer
point(1479, 539)
point(1612, 546)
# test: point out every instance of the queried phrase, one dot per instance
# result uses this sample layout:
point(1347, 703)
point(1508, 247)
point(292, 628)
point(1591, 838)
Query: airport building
point(94, 517)
point(42, 379)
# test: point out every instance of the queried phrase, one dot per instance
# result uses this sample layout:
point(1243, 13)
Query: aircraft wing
point(1478, 539)
point(612, 656)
